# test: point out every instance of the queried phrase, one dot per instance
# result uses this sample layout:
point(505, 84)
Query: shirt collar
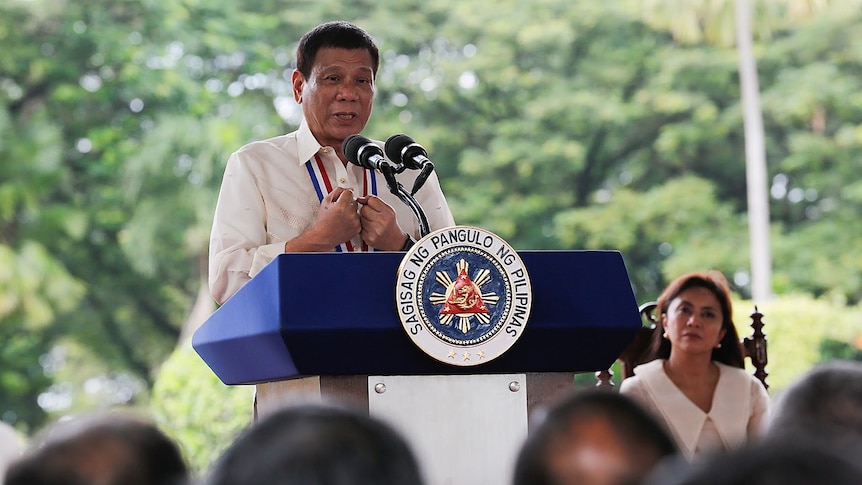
point(686, 420)
point(731, 414)
point(306, 144)
point(683, 417)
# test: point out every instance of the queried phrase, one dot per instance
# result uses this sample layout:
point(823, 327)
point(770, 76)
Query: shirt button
point(326, 149)
point(342, 180)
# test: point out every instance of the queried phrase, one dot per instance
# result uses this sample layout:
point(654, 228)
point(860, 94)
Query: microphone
point(361, 151)
point(402, 149)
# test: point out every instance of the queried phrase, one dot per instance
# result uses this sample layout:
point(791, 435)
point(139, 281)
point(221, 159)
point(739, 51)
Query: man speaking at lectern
point(298, 192)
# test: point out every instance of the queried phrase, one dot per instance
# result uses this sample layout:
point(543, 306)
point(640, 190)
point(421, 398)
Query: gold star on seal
point(481, 354)
point(466, 355)
point(452, 354)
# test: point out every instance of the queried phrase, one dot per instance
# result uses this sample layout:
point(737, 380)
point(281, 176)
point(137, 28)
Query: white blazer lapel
point(683, 417)
point(730, 405)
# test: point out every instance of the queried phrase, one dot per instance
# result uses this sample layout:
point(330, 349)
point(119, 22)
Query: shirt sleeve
point(760, 406)
point(238, 230)
point(632, 388)
point(434, 204)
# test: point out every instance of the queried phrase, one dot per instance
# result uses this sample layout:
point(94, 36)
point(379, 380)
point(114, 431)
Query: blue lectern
point(333, 316)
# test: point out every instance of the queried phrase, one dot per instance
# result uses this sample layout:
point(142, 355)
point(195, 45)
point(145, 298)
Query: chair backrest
point(753, 347)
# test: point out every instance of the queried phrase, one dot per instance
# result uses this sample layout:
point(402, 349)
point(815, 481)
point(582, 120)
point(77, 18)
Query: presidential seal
point(463, 295)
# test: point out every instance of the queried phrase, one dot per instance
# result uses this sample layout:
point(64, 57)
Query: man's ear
point(298, 81)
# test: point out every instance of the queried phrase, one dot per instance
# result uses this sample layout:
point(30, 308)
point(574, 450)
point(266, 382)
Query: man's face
point(337, 97)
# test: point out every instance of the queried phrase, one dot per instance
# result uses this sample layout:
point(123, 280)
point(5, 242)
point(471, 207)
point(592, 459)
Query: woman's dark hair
point(339, 34)
point(730, 352)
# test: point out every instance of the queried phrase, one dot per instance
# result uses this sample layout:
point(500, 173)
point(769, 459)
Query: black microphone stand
point(396, 188)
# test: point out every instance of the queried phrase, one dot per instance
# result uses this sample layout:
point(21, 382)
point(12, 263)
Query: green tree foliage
point(112, 152)
point(196, 409)
point(581, 103)
point(642, 224)
point(800, 331)
point(812, 105)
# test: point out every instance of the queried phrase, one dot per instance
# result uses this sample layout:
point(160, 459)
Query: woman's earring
point(718, 345)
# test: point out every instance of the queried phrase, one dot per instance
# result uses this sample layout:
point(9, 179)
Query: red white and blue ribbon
point(321, 182)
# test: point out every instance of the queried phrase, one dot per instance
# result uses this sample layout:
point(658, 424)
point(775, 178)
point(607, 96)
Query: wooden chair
point(753, 347)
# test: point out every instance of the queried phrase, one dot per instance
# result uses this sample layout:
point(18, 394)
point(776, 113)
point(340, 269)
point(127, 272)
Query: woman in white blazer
point(692, 376)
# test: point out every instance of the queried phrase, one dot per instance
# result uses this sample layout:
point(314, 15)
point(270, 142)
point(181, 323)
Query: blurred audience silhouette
point(114, 448)
point(317, 445)
point(766, 463)
point(594, 437)
point(824, 403)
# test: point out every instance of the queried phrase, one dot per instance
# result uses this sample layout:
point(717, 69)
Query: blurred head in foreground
point(593, 438)
point(824, 403)
point(764, 463)
point(316, 445)
point(107, 449)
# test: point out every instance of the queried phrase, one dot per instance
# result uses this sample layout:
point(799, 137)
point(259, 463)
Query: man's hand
point(380, 228)
point(337, 222)
point(338, 218)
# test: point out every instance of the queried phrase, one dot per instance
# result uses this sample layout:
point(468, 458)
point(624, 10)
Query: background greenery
point(557, 124)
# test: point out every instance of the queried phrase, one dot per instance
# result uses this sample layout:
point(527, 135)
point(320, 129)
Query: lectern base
point(465, 429)
point(344, 390)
